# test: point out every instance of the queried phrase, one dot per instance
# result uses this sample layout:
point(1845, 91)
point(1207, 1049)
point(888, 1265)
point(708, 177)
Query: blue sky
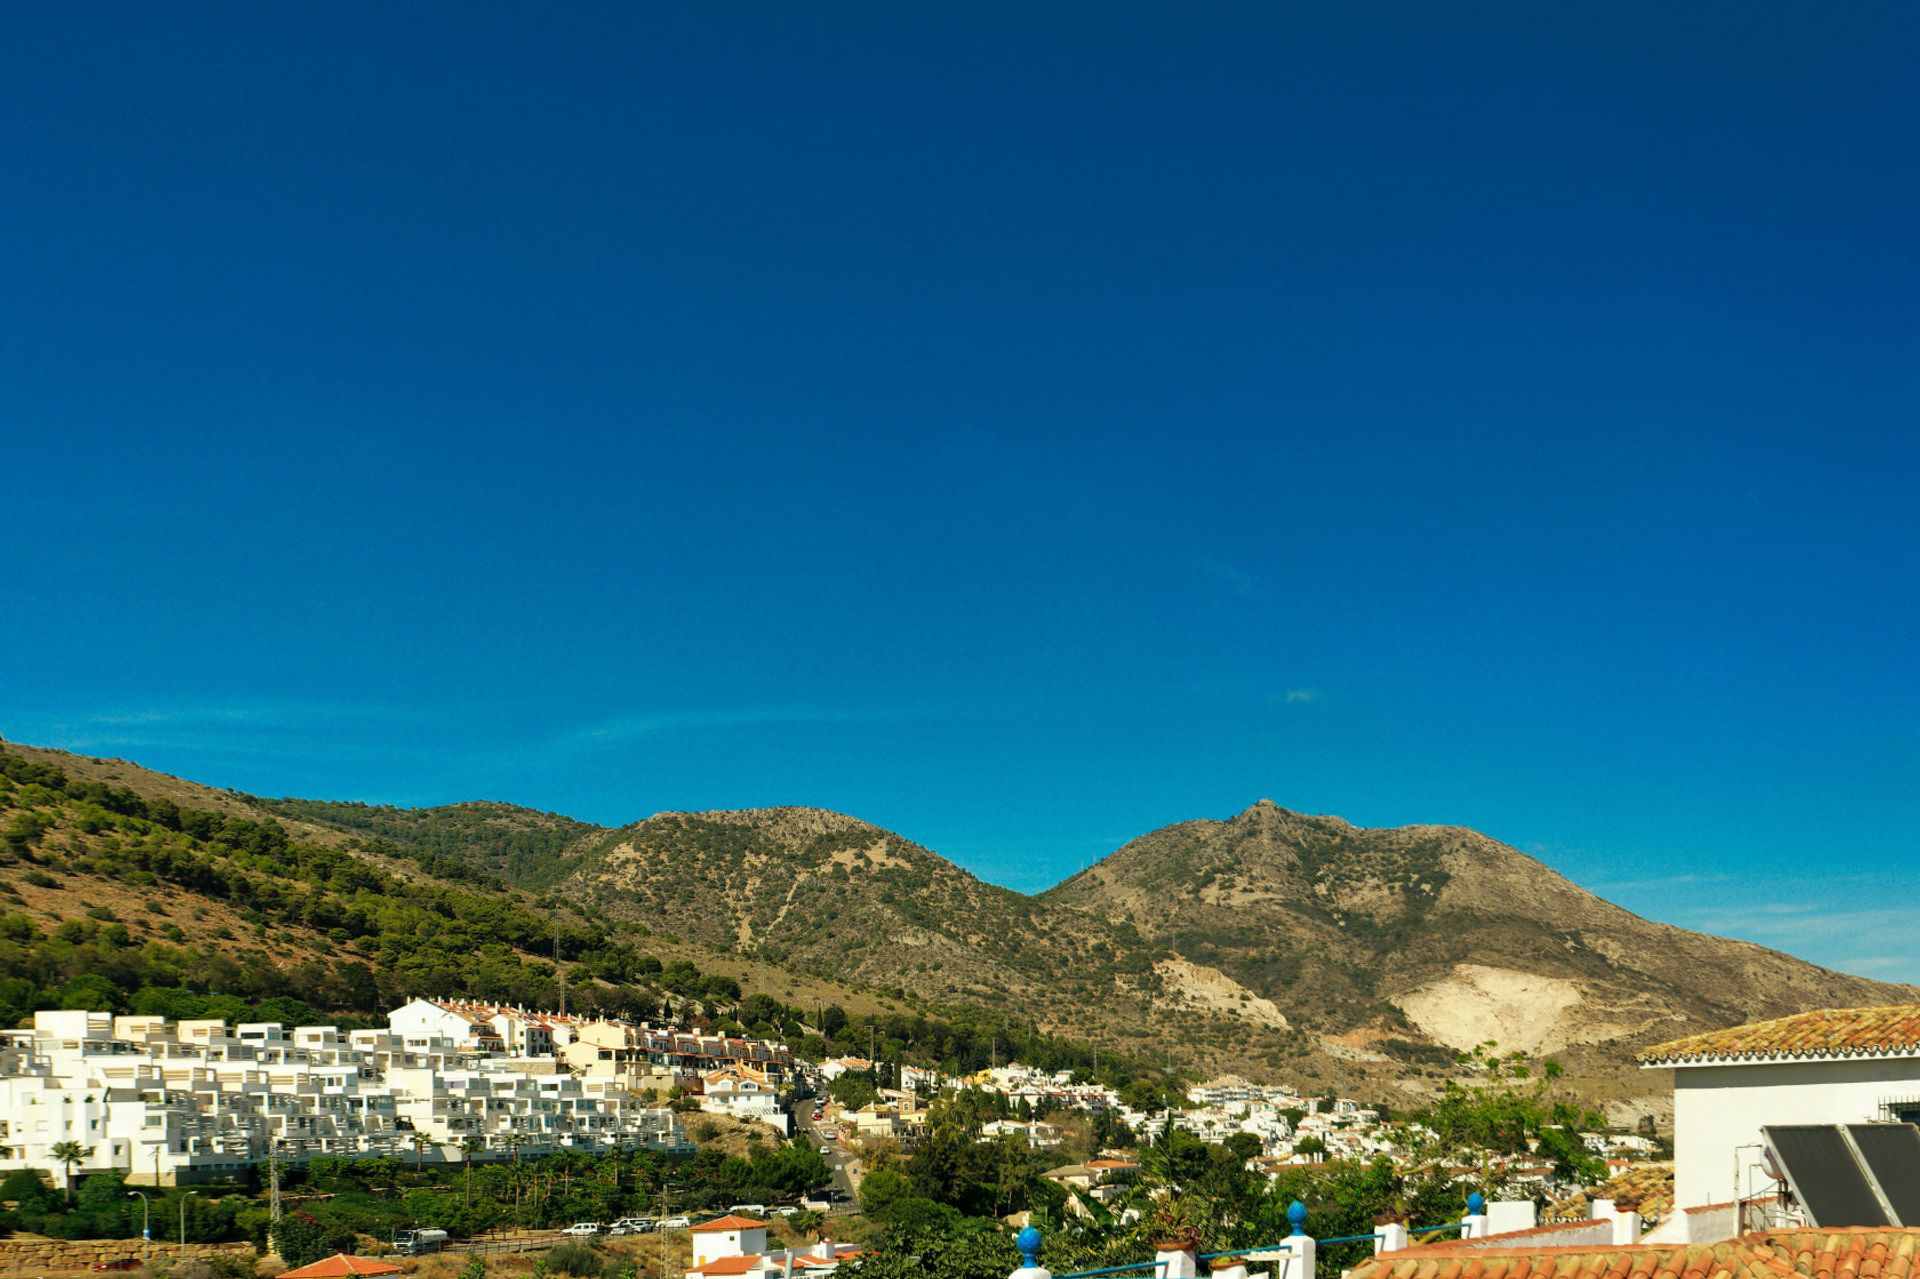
point(1021, 426)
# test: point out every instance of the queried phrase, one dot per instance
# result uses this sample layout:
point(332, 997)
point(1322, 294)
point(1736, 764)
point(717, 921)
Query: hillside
point(1271, 944)
point(124, 889)
point(1436, 933)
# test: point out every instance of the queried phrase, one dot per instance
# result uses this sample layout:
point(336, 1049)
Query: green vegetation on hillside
point(519, 845)
point(390, 937)
point(372, 938)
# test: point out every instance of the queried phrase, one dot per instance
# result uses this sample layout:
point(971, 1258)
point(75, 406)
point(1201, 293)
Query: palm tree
point(69, 1153)
point(420, 1144)
point(468, 1146)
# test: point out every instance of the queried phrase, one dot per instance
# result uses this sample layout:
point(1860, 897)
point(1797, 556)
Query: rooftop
point(1828, 1033)
point(1784, 1254)
point(731, 1221)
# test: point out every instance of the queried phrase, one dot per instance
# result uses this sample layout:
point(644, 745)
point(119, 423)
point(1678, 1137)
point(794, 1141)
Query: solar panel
point(1825, 1177)
point(1892, 1155)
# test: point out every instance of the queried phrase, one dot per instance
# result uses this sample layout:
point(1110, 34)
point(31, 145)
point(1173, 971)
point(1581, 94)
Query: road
point(846, 1168)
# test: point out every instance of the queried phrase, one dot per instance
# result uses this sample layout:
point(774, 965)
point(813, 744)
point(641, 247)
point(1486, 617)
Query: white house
point(1845, 1065)
point(744, 1093)
point(728, 1236)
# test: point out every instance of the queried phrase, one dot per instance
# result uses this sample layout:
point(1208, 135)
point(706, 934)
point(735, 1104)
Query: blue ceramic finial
point(1028, 1242)
point(1476, 1204)
point(1297, 1214)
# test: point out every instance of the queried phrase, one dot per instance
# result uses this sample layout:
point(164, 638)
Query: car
point(631, 1226)
point(826, 1150)
point(583, 1228)
point(785, 1210)
point(751, 1210)
point(676, 1223)
point(118, 1263)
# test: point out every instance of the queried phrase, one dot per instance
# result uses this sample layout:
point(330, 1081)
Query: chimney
point(1626, 1221)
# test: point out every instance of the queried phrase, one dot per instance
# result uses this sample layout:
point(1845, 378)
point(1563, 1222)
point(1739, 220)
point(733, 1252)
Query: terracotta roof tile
point(1786, 1254)
point(731, 1221)
point(1893, 1030)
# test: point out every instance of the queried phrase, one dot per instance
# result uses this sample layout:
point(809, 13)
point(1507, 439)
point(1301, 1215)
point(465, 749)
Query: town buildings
point(170, 1102)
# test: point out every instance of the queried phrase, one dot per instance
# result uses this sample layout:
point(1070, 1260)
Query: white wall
point(1717, 1109)
point(709, 1245)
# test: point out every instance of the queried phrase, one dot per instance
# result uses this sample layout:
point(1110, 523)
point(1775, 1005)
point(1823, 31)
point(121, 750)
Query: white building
point(729, 1236)
point(1851, 1065)
point(744, 1093)
point(196, 1100)
point(734, 1247)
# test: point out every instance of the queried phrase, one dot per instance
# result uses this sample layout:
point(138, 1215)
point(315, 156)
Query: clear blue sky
point(1021, 426)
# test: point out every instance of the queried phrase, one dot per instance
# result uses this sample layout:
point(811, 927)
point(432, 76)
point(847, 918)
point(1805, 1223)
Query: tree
point(301, 1239)
point(69, 1153)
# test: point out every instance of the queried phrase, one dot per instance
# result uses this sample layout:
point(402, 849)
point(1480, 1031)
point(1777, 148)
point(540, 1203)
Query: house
point(744, 1093)
point(728, 1236)
point(837, 1066)
point(734, 1247)
point(1841, 1065)
point(616, 1050)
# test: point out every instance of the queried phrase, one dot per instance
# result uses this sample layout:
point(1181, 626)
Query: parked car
point(676, 1223)
point(785, 1210)
point(118, 1263)
point(826, 1150)
point(583, 1228)
point(631, 1226)
point(751, 1210)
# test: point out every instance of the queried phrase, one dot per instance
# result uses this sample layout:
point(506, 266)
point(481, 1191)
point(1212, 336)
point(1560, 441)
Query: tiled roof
point(730, 1222)
point(729, 1265)
point(1648, 1186)
point(340, 1265)
point(1784, 1254)
point(1830, 1032)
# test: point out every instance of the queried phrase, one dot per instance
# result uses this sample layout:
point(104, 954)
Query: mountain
point(1436, 933)
point(1271, 944)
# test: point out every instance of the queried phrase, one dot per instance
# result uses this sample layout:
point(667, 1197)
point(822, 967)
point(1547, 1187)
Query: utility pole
point(558, 970)
point(183, 1217)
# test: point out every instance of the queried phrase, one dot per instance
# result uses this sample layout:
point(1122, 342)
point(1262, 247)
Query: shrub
point(575, 1259)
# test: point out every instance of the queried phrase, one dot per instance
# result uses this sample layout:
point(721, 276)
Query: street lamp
point(183, 1216)
point(146, 1228)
